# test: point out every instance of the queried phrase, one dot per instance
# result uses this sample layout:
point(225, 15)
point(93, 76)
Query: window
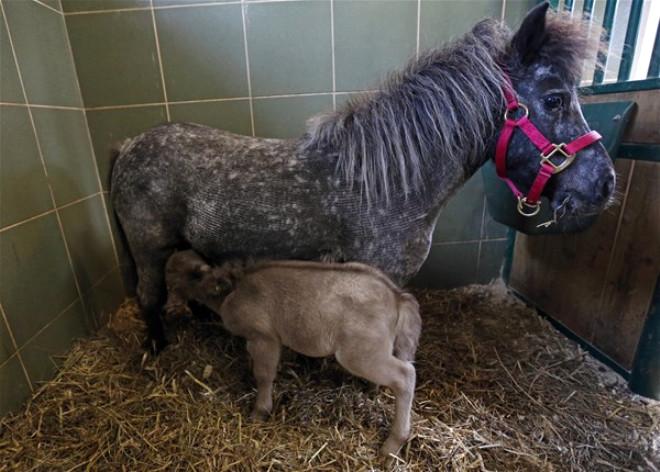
point(633, 51)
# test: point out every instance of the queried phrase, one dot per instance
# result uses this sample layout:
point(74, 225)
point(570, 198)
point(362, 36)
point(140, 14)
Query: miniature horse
point(365, 183)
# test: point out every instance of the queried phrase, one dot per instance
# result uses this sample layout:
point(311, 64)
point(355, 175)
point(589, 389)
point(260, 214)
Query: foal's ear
point(531, 35)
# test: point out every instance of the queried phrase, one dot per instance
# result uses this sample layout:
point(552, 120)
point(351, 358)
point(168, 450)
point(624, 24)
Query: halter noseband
point(530, 205)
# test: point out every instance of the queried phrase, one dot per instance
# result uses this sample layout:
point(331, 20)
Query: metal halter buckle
point(520, 106)
point(522, 205)
point(557, 148)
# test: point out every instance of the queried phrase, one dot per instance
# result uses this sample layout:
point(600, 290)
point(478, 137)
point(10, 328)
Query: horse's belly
point(279, 229)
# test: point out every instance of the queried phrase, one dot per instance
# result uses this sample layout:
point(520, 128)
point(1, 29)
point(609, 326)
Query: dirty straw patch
point(498, 389)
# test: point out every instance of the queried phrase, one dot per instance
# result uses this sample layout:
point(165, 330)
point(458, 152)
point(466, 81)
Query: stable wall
point(599, 284)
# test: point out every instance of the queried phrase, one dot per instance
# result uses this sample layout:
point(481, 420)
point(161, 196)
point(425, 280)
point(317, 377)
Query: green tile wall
point(116, 58)
point(79, 76)
point(365, 50)
point(58, 269)
point(232, 115)
point(43, 54)
point(285, 117)
point(109, 128)
point(444, 20)
point(289, 46)
point(212, 72)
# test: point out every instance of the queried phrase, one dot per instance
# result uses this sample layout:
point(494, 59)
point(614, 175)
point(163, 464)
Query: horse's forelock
point(569, 42)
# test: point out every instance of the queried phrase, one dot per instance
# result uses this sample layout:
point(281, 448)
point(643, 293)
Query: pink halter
point(530, 205)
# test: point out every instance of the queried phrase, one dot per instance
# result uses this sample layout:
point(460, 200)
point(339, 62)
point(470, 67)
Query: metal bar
point(631, 40)
point(608, 21)
point(508, 255)
point(630, 86)
point(639, 152)
point(654, 66)
point(587, 9)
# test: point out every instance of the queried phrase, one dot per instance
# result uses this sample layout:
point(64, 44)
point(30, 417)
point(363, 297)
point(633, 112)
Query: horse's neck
point(445, 178)
point(421, 208)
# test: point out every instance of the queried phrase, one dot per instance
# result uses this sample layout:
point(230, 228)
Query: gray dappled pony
point(365, 183)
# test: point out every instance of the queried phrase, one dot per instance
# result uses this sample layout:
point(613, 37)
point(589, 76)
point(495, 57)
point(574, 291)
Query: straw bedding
point(498, 389)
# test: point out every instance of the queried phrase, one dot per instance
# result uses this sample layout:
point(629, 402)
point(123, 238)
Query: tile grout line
point(101, 12)
point(16, 350)
point(48, 212)
point(38, 2)
point(47, 107)
point(247, 64)
point(41, 155)
point(160, 60)
point(332, 49)
point(172, 7)
point(95, 163)
point(419, 16)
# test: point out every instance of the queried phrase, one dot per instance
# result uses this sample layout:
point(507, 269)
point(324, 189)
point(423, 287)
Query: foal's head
point(190, 276)
point(544, 60)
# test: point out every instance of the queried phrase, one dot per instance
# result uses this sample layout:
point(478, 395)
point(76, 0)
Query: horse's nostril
point(608, 185)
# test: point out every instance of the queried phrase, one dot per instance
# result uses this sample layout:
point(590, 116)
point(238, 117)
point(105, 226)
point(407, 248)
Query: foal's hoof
point(391, 446)
point(259, 415)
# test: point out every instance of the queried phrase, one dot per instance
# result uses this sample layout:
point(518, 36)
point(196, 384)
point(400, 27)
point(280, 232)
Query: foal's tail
point(408, 328)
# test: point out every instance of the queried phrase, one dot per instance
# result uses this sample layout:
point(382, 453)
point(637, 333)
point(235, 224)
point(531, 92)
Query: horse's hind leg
point(371, 360)
point(151, 291)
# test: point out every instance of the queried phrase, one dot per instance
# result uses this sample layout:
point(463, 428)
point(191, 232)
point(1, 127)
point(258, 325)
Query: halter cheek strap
point(530, 204)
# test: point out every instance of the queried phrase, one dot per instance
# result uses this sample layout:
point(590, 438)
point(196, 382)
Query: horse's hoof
point(178, 311)
point(155, 345)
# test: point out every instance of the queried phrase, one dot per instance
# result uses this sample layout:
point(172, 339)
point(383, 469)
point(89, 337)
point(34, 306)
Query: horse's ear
point(531, 35)
point(200, 270)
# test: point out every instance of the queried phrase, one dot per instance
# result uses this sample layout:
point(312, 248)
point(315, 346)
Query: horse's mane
point(445, 104)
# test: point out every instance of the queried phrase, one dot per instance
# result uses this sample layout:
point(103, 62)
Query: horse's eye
point(553, 102)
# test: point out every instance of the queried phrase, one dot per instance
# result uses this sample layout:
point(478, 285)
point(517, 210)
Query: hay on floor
point(498, 389)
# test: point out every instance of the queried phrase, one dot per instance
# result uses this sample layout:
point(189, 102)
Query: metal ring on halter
point(522, 204)
point(557, 149)
point(520, 105)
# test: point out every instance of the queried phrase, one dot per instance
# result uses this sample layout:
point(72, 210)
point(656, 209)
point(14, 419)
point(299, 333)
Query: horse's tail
point(408, 328)
point(126, 262)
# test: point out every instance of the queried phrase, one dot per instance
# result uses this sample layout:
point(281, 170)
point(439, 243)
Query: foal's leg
point(372, 360)
point(265, 355)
